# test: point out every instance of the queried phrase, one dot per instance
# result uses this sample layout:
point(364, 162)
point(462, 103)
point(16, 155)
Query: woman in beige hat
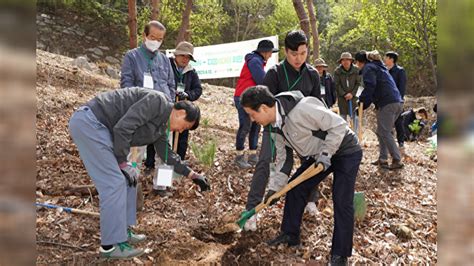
point(347, 79)
point(328, 87)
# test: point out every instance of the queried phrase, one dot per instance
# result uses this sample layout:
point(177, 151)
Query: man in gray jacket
point(147, 67)
point(104, 129)
point(322, 137)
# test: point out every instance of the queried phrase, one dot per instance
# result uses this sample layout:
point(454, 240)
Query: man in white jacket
point(320, 136)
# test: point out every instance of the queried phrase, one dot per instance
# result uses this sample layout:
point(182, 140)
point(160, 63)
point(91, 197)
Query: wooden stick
point(361, 111)
point(59, 244)
point(307, 174)
point(176, 136)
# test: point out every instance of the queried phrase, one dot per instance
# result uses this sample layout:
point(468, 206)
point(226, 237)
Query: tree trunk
point(155, 9)
point(428, 46)
point(184, 33)
point(303, 17)
point(132, 22)
point(314, 29)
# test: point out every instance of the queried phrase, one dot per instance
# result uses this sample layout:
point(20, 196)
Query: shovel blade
point(244, 217)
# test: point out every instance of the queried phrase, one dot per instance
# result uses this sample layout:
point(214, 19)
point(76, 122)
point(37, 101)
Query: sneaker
point(396, 164)
point(253, 159)
point(121, 251)
point(135, 238)
point(284, 238)
point(380, 162)
point(163, 193)
point(337, 260)
point(251, 224)
point(241, 163)
point(311, 209)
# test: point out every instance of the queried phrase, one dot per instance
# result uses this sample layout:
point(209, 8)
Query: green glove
point(415, 126)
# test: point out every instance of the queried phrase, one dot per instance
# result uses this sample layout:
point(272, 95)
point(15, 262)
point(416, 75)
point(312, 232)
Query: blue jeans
point(117, 201)
point(246, 127)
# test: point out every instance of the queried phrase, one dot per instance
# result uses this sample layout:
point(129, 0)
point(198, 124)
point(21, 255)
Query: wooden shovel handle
point(361, 110)
point(307, 174)
point(176, 136)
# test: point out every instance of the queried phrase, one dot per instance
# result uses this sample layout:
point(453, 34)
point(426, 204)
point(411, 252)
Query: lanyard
point(288, 81)
point(179, 75)
point(272, 143)
point(148, 59)
point(167, 139)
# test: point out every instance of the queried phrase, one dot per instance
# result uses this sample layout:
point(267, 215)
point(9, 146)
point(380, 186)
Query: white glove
point(251, 224)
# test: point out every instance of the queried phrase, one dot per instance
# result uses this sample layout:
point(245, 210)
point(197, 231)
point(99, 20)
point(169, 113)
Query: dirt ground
point(180, 228)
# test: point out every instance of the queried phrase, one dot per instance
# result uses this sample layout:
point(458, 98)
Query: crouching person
point(322, 137)
point(104, 129)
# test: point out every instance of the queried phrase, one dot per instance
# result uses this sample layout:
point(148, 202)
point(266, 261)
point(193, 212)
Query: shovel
point(361, 111)
point(67, 209)
point(308, 173)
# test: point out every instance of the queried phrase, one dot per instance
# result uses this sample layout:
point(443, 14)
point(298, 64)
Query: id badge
point(323, 90)
point(164, 176)
point(180, 87)
point(147, 80)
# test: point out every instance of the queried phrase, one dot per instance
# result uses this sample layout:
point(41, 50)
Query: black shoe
point(380, 162)
point(284, 238)
point(396, 164)
point(163, 193)
point(337, 260)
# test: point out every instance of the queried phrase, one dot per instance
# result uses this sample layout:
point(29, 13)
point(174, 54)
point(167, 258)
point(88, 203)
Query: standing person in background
point(188, 85)
point(252, 74)
point(291, 74)
point(347, 79)
point(400, 77)
point(380, 89)
point(147, 67)
point(328, 87)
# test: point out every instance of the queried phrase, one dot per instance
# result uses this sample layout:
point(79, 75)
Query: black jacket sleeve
point(195, 89)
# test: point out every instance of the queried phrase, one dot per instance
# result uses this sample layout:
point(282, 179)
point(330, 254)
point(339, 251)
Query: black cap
point(266, 46)
point(392, 53)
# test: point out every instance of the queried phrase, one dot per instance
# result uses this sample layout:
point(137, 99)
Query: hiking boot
point(337, 260)
point(284, 238)
point(241, 163)
point(396, 164)
point(135, 238)
point(163, 193)
point(121, 251)
point(380, 162)
point(253, 159)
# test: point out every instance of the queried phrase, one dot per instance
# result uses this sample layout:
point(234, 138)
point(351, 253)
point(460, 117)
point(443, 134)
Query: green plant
point(205, 122)
point(205, 153)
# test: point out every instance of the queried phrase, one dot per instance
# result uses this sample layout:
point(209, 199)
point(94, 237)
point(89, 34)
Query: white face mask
point(152, 45)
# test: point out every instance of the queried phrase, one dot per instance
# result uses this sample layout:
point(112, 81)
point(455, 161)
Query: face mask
point(152, 45)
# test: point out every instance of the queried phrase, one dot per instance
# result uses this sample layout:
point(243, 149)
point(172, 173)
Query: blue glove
point(324, 159)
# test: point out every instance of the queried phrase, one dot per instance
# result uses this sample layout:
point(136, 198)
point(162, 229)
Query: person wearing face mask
point(291, 74)
point(188, 85)
point(104, 129)
point(146, 67)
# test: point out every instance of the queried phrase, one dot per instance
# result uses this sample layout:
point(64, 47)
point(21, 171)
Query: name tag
point(164, 176)
point(323, 90)
point(180, 87)
point(147, 80)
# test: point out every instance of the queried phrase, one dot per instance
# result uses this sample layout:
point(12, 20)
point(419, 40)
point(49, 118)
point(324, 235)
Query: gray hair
point(153, 23)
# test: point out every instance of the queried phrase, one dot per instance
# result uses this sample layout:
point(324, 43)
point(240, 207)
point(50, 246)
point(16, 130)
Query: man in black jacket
point(293, 73)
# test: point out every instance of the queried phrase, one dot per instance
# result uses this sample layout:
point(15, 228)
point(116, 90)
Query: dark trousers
point(183, 144)
point(345, 168)
point(246, 128)
point(150, 156)
point(400, 129)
